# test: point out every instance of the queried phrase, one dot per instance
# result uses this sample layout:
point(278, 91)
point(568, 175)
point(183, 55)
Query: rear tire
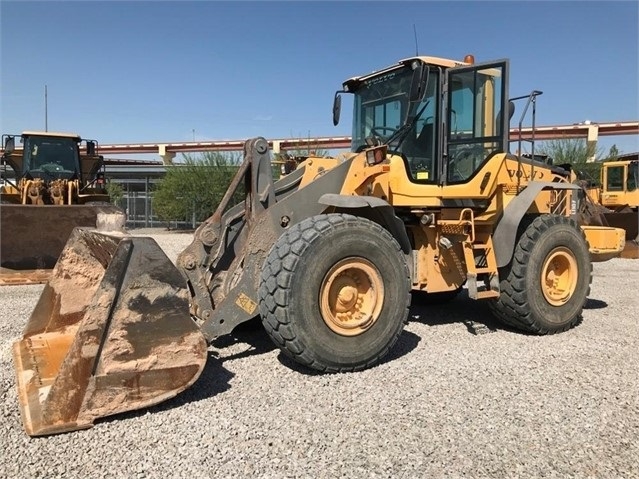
point(335, 292)
point(546, 286)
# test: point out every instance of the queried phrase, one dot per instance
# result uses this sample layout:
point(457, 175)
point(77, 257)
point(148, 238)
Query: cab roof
point(435, 61)
point(74, 136)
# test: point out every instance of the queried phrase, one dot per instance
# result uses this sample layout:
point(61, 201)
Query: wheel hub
point(346, 298)
point(559, 276)
point(351, 296)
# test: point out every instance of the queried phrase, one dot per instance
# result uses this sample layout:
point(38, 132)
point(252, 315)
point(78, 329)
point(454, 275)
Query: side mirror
point(337, 108)
point(91, 148)
point(511, 110)
point(9, 145)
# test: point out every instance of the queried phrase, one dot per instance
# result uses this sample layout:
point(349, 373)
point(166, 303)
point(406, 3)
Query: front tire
point(545, 288)
point(335, 292)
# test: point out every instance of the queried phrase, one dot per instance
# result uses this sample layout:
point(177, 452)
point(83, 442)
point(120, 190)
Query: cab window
point(633, 176)
point(614, 178)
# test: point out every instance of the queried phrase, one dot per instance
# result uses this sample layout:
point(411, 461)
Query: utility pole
point(46, 112)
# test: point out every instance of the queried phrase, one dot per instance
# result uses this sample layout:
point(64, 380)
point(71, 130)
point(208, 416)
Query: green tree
point(115, 192)
point(576, 152)
point(613, 154)
point(193, 188)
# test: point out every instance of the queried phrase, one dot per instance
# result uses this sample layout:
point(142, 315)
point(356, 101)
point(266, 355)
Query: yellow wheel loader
point(614, 201)
point(620, 194)
point(620, 184)
point(50, 187)
point(429, 200)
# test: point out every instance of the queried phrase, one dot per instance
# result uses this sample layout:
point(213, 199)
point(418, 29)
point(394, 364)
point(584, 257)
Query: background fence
point(138, 206)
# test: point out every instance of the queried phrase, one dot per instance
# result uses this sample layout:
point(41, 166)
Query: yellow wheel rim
point(351, 296)
point(559, 276)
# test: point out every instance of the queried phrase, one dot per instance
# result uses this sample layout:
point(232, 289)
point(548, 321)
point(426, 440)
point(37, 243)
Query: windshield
point(50, 157)
point(381, 107)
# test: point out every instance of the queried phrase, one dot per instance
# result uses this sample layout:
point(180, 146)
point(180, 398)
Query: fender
point(506, 230)
point(381, 212)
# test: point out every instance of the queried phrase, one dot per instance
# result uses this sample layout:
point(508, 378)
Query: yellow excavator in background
point(430, 200)
point(49, 187)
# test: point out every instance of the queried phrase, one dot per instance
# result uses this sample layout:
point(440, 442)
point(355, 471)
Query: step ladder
point(479, 249)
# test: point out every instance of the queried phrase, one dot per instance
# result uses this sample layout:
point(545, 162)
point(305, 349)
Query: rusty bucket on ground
point(110, 333)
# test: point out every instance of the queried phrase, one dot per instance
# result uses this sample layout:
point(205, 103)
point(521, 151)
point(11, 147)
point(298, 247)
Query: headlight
point(376, 155)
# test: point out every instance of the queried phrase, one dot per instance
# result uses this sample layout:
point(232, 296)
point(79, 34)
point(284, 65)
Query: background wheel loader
point(50, 187)
point(615, 199)
point(429, 200)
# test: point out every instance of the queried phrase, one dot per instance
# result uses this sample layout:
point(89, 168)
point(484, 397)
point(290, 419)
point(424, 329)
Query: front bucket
point(110, 333)
point(628, 220)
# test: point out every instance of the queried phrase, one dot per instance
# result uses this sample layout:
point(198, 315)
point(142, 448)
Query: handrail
point(532, 98)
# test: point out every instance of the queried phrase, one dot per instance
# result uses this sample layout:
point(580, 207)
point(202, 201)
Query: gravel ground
point(459, 396)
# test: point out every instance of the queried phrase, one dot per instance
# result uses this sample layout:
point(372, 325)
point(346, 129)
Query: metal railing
point(140, 213)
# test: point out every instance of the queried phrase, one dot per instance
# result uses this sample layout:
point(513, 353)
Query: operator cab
point(51, 156)
point(621, 176)
point(444, 118)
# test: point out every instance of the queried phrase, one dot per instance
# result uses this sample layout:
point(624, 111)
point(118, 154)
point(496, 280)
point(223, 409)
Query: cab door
point(477, 120)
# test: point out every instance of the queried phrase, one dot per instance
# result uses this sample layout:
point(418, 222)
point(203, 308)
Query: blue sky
point(125, 72)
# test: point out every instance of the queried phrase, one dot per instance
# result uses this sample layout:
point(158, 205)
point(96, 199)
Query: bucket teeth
point(111, 333)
